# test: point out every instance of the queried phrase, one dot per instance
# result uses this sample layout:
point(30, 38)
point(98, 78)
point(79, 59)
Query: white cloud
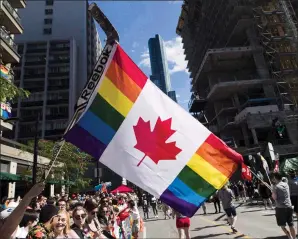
point(135, 45)
point(175, 1)
point(177, 96)
point(132, 50)
point(145, 59)
point(175, 56)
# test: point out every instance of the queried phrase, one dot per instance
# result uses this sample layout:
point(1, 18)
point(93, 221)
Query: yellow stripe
point(114, 97)
point(207, 172)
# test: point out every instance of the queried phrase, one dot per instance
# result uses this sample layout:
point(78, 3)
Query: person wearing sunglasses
point(79, 216)
point(91, 207)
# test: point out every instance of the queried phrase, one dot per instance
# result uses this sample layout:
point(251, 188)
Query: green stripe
point(196, 182)
point(101, 108)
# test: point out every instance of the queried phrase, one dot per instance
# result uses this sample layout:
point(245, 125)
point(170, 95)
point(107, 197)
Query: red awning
point(122, 189)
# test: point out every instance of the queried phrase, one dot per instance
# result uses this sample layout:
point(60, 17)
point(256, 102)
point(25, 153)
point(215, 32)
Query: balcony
point(196, 104)
point(9, 48)
point(18, 3)
point(223, 90)
point(10, 18)
point(258, 116)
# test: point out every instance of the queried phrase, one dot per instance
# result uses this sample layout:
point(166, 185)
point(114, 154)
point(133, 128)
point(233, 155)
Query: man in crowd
point(226, 196)
point(283, 205)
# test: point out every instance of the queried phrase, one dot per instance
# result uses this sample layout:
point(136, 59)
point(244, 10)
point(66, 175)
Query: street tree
point(9, 91)
point(71, 163)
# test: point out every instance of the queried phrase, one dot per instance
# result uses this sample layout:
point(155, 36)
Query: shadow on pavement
point(257, 210)
point(202, 228)
point(223, 215)
point(267, 215)
point(210, 235)
point(277, 237)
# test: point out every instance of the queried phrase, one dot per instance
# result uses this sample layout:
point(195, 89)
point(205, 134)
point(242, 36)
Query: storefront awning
point(9, 177)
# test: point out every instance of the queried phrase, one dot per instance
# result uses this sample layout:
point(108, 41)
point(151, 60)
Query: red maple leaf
point(153, 143)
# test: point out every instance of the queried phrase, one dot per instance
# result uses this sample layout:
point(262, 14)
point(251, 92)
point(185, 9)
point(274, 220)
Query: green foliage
point(71, 163)
point(8, 91)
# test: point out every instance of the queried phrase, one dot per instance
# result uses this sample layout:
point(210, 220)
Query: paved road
point(253, 222)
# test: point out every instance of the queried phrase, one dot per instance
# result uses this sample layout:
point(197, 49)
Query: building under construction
point(242, 58)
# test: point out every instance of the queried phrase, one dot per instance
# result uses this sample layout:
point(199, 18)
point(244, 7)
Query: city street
point(253, 222)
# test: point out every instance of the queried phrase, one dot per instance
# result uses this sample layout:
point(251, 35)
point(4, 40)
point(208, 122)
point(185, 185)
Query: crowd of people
point(80, 216)
point(105, 215)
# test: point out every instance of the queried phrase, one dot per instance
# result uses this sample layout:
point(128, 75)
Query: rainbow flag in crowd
point(4, 73)
point(136, 130)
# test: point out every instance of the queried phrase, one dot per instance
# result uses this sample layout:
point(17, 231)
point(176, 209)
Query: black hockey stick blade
point(103, 21)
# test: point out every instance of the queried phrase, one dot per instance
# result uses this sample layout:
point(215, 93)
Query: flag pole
point(266, 184)
point(55, 158)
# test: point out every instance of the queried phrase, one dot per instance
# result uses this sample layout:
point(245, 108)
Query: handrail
point(4, 35)
point(12, 11)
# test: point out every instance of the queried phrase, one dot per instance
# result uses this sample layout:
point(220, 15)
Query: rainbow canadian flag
point(133, 128)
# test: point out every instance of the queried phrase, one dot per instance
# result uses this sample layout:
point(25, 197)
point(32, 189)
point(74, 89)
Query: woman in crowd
point(60, 226)
point(93, 224)
point(29, 220)
point(182, 224)
point(79, 216)
point(134, 212)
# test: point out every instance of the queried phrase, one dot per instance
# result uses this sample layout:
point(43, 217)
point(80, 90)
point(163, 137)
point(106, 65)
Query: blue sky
point(136, 22)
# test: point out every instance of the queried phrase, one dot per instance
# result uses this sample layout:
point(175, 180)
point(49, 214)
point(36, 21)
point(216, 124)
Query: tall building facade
point(10, 26)
point(159, 66)
point(58, 53)
point(243, 67)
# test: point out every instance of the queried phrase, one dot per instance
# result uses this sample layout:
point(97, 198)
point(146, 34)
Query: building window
point(49, 2)
point(48, 11)
point(48, 21)
point(47, 31)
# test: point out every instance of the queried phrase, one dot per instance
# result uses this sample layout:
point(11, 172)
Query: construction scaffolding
point(277, 25)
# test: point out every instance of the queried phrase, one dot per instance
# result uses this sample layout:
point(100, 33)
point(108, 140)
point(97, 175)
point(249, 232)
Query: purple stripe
point(185, 208)
point(85, 141)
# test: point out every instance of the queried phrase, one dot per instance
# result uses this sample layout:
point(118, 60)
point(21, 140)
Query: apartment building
point(58, 53)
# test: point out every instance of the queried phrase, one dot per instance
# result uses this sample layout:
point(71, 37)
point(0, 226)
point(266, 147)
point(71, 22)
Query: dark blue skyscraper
point(159, 66)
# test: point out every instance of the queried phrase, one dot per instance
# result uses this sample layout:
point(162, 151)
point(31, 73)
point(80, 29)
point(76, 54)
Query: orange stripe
point(123, 82)
point(218, 160)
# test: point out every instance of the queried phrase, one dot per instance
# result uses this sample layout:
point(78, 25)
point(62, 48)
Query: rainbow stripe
point(117, 92)
point(208, 170)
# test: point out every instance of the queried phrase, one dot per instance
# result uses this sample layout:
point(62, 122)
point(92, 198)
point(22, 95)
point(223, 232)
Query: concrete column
point(12, 186)
point(254, 135)
point(260, 62)
point(62, 187)
point(236, 102)
point(52, 190)
point(245, 135)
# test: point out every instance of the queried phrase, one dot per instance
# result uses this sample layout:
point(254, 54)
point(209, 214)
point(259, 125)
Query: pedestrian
point(293, 185)
point(166, 210)
point(226, 197)
point(265, 194)
point(283, 208)
point(154, 206)
point(242, 191)
point(204, 208)
point(182, 224)
point(135, 217)
point(145, 208)
point(216, 202)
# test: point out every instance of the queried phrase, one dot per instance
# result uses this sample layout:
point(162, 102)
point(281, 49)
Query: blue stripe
point(96, 127)
point(182, 191)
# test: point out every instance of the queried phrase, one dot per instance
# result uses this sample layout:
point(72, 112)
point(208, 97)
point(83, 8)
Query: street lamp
point(35, 149)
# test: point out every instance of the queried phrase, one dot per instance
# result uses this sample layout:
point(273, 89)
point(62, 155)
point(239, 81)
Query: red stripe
point(130, 68)
point(218, 144)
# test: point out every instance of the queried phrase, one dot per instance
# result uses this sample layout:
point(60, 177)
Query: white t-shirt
point(135, 214)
